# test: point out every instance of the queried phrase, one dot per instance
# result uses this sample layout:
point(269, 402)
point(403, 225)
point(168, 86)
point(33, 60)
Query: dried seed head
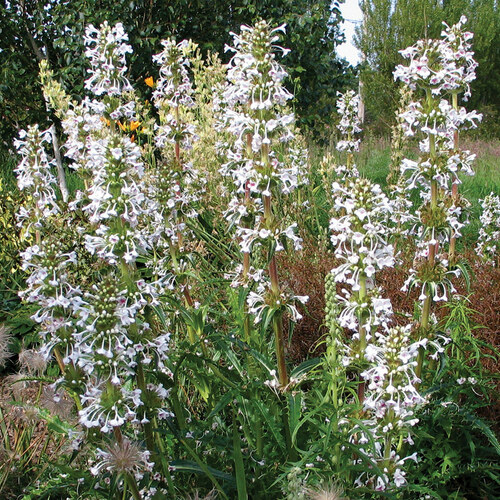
point(326, 493)
point(196, 496)
point(18, 386)
point(57, 403)
point(31, 361)
point(5, 338)
point(123, 457)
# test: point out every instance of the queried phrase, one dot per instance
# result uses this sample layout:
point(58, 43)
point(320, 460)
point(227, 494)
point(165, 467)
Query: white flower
point(106, 49)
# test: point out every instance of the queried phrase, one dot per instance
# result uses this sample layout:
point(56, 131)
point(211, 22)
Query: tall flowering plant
point(175, 182)
point(256, 114)
point(102, 332)
point(437, 69)
point(383, 356)
point(349, 127)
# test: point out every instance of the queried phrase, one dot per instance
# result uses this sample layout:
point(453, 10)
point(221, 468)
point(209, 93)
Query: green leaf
point(305, 367)
point(480, 425)
point(189, 466)
point(271, 424)
point(294, 412)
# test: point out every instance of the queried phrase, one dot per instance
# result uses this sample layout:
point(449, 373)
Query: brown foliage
point(304, 272)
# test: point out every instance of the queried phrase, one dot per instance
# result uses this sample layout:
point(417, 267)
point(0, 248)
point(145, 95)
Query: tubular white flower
point(34, 175)
point(255, 114)
point(349, 125)
point(488, 245)
point(106, 49)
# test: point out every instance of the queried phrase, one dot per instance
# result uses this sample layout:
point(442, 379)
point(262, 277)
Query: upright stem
point(60, 170)
point(361, 319)
point(454, 187)
point(431, 258)
point(280, 349)
point(277, 319)
point(275, 287)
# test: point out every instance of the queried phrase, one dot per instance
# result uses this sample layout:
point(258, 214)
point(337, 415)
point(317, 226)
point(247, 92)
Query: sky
point(350, 12)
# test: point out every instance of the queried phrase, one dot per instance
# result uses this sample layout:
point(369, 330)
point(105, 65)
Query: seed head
point(123, 457)
point(326, 493)
point(32, 362)
point(5, 338)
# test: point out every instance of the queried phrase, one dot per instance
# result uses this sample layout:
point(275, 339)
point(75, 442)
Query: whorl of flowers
point(457, 52)
point(174, 85)
point(107, 50)
point(440, 121)
point(257, 116)
point(391, 393)
point(117, 199)
point(255, 96)
point(393, 465)
point(349, 125)
point(34, 176)
point(360, 238)
point(255, 75)
point(173, 92)
point(445, 65)
point(50, 287)
point(488, 245)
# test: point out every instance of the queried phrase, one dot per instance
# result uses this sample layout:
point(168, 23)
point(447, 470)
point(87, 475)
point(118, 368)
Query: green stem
point(164, 463)
point(239, 466)
point(454, 187)
point(133, 486)
point(275, 289)
point(280, 349)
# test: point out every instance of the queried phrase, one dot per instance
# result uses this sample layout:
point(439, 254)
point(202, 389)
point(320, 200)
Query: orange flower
point(134, 125)
point(149, 81)
point(123, 127)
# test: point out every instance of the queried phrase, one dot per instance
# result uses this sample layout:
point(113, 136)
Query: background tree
point(53, 29)
point(391, 25)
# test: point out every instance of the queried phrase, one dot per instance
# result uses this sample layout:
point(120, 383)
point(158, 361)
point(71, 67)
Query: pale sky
point(350, 12)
